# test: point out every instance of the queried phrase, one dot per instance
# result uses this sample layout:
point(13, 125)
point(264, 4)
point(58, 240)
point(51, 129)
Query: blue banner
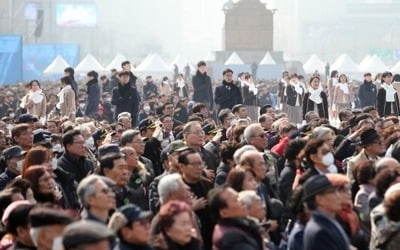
point(10, 59)
point(37, 57)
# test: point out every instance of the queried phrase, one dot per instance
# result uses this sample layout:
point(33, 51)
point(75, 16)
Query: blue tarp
point(10, 59)
point(37, 57)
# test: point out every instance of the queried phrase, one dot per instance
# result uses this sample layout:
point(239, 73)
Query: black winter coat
point(367, 94)
point(202, 88)
point(93, 99)
point(292, 96)
point(227, 95)
point(309, 105)
point(125, 98)
point(148, 89)
point(383, 107)
point(77, 168)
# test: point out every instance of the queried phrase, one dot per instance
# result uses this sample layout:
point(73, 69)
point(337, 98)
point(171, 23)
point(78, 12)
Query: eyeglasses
point(197, 164)
point(197, 132)
point(138, 142)
point(105, 190)
point(78, 142)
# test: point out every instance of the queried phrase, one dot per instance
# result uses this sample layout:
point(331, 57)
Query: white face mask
point(146, 108)
point(328, 159)
point(54, 163)
point(107, 99)
point(81, 105)
point(57, 243)
point(90, 143)
point(19, 165)
point(11, 115)
point(332, 169)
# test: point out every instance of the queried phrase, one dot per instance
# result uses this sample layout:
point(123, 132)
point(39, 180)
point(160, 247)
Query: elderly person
point(13, 158)
point(323, 231)
point(96, 197)
point(132, 225)
point(175, 229)
point(132, 138)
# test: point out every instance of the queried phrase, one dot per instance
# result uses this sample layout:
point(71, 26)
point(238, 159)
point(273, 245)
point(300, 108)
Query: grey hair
point(188, 127)
point(127, 136)
point(169, 184)
point(249, 131)
point(86, 187)
point(238, 153)
point(319, 132)
point(247, 197)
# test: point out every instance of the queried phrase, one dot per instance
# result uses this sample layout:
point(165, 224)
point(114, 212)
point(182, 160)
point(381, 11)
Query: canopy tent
point(364, 61)
point(56, 67)
point(374, 65)
point(344, 64)
point(234, 59)
point(155, 66)
point(267, 60)
point(116, 62)
point(396, 68)
point(210, 57)
point(314, 63)
point(89, 63)
point(182, 62)
point(268, 69)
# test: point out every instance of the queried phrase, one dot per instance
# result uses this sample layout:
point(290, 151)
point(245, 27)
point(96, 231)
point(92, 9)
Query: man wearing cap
point(87, 235)
point(132, 225)
point(98, 137)
point(47, 226)
point(372, 148)
point(42, 137)
point(169, 159)
point(367, 92)
point(27, 118)
point(150, 130)
point(22, 136)
point(323, 231)
point(13, 158)
point(125, 97)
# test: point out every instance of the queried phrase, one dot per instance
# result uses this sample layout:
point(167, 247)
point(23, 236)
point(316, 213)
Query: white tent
point(314, 63)
point(56, 67)
point(179, 61)
point(234, 59)
point(155, 66)
point(396, 68)
point(267, 60)
point(374, 65)
point(210, 57)
point(116, 62)
point(268, 68)
point(364, 61)
point(344, 64)
point(89, 63)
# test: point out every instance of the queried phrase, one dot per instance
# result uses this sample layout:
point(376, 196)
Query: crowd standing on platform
point(116, 163)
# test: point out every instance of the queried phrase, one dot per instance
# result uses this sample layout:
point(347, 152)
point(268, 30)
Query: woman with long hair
point(35, 101)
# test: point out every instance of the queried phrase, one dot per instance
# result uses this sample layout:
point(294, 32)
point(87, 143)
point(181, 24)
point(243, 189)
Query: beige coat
point(37, 109)
point(68, 108)
point(339, 97)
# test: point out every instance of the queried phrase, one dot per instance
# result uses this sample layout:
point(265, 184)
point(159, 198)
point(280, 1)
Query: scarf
point(315, 95)
point(36, 97)
point(61, 95)
point(299, 90)
point(251, 86)
point(181, 83)
point(344, 87)
point(390, 92)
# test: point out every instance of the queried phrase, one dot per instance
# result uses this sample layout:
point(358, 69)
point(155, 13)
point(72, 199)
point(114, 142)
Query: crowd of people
point(113, 163)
